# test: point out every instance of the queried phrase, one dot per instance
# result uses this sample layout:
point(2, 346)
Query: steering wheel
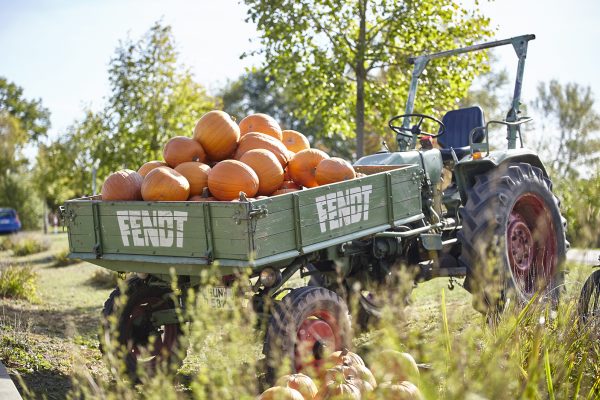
point(415, 129)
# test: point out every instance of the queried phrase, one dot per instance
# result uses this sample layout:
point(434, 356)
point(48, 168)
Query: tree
point(153, 98)
point(33, 118)
point(346, 61)
point(570, 110)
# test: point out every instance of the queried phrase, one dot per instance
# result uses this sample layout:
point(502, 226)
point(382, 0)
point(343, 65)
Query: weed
point(25, 244)
point(18, 282)
point(104, 278)
point(61, 259)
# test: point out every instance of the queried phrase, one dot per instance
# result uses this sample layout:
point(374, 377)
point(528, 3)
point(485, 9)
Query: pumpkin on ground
point(230, 177)
point(181, 149)
point(295, 141)
point(124, 185)
point(255, 140)
point(281, 393)
point(303, 165)
point(149, 166)
point(300, 382)
point(400, 391)
point(344, 357)
point(218, 134)
point(262, 123)
point(267, 168)
point(165, 184)
point(395, 366)
point(333, 170)
point(197, 175)
point(344, 388)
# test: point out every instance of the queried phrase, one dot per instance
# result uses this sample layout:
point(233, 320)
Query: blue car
point(9, 221)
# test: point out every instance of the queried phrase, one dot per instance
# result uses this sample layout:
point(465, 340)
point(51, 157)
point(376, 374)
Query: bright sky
point(59, 50)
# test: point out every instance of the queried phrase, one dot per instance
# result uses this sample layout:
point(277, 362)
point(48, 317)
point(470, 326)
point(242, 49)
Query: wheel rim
point(139, 331)
point(317, 335)
point(531, 244)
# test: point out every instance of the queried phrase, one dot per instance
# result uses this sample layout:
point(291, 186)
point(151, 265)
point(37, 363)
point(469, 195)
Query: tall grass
point(24, 244)
point(533, 353)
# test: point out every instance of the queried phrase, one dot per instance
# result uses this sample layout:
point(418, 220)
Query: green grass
point(53, 344)
point(18, 282)
point(24, 244)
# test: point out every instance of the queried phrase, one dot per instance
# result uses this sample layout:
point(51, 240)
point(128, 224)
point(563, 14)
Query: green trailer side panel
point(254, 233)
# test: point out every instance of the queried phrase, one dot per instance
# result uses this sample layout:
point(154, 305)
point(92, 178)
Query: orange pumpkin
point(267, 168)
point(260, 123)
point(344, 357)
point(149, 166)
point(230, 177)
point(303, 165)
point(290, 185)
point(333, 170)
point(295, 141)
point(218, 134)
point(122, 185)
point(283, 191)
point(345, 389)
point(255, 140)
point(197, 175)
point(181, 149)
point(165, 184)
point(300, 382)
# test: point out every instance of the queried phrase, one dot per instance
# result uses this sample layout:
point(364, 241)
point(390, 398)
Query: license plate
point(219, 297)
point(4, 221)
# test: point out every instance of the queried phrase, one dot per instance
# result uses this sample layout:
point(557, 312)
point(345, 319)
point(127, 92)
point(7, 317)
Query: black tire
point(589, 300)
point(134, 328)
point(303, 313)
point(513, 200)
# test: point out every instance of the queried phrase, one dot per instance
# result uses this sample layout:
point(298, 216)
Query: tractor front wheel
point(513, 238)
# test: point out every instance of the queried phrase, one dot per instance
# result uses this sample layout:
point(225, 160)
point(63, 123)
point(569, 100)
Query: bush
point(104, 279)
point(25, 244)
point(18, 282)
point(61, 259)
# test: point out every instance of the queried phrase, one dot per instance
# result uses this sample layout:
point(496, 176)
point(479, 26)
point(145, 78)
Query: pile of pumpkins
point(224, 159)
point(349, 378)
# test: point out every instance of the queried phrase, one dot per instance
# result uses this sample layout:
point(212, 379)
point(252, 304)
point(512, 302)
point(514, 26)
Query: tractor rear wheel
point(513, 238)
point(305, 326)
point(139, 340)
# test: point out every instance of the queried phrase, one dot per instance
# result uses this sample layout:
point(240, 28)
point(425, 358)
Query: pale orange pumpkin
point(333, 170)
point(262, 123)
point(124, 185)
point(295, 141)
point(197, 175)
point(401, 391)
point(344, 357)
point(345, 389)
point(302, 167)
point(300, 382)
point(149, 166)
point(395, 366)
point(165, 184)
point(230, 177)
point(255, 140)
point(181, 149)
point(218, 134)
point(267, 168)
point(281, 393)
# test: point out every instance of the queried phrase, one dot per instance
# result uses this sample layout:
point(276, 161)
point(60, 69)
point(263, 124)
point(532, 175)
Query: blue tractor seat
point(459, 123)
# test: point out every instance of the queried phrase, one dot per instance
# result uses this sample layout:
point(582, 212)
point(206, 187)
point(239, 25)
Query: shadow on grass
point(46, 384)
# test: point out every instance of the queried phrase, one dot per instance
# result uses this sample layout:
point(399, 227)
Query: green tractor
point(496, 223)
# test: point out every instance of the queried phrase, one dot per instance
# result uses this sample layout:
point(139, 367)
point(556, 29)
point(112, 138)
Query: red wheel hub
point(531, 243)
point(317, 335)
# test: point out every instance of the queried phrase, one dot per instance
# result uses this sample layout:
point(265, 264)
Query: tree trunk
point(361, 76)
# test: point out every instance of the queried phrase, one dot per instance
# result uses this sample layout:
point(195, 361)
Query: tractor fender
point(467, 169)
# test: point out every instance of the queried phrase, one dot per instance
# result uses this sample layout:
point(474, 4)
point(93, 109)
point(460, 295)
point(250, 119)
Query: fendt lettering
point(156, 228)
point(343, 208)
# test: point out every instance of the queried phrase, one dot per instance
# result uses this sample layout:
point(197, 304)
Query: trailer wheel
point(589, 301)
point(513, 238)
point(139, 341)
point(308, 324)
